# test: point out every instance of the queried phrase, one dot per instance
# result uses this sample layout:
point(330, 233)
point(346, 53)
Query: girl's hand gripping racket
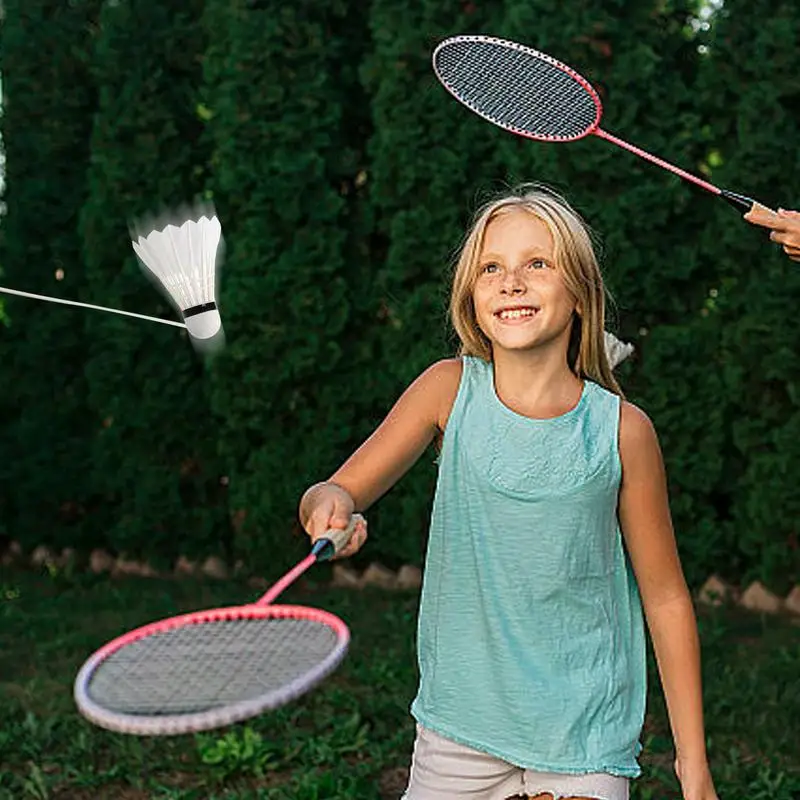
point(211, 668)
point(533, 95)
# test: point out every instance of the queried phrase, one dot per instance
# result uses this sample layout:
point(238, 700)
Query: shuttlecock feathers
point(183, 259)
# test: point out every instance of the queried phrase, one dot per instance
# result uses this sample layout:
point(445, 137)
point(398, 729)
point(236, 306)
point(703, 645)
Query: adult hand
point(784, 227)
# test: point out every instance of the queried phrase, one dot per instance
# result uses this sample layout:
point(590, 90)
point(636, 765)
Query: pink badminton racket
point(536, 96)
point(212, 668)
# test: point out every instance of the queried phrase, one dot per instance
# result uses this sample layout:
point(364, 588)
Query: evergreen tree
point(752, 90)
point(46, 495)
point(285, 114)
point(154, 451)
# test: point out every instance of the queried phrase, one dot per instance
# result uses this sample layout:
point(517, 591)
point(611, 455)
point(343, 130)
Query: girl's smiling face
point(521, 300)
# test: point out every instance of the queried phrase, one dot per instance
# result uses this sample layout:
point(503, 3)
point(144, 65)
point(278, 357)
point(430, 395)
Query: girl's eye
point(537, 263)
point(489, 269)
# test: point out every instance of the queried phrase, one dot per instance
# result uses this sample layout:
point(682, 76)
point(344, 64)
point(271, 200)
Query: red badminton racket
point(209, 669)
point(536, 96)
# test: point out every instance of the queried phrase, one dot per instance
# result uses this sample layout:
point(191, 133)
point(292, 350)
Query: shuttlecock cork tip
point(202, 322)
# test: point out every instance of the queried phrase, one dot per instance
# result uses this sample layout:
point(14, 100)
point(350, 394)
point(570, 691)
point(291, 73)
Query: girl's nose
point(512, 282)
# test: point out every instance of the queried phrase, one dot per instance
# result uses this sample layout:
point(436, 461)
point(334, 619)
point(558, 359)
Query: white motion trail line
point(89, 305)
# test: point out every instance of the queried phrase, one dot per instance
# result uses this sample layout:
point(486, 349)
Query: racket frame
point(740, 202)
point(576, 76)
point(169, 725)
point(164, 725)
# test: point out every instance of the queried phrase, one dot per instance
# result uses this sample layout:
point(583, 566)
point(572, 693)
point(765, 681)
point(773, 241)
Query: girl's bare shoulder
point(445, 378)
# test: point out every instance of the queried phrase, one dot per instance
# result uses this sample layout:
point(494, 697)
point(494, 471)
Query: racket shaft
point(739, 201)
point(324, 547)
point(709, 187)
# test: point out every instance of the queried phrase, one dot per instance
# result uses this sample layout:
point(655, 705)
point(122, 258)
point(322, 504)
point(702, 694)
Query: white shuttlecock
point(183, 257)
point(616, 351)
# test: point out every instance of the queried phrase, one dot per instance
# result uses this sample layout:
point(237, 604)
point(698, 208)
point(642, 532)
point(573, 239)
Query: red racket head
point(208, 669)
point(517, 88)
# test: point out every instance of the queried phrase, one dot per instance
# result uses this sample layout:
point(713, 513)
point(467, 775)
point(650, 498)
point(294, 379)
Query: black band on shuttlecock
point(195, 310)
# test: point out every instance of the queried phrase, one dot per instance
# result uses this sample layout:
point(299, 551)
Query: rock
point(345, 577)
point(11, 554)
point(42, 555)
point(214, 567)
point(792, 602)
point(68, 557)
point(757, 598)
point(378, 575)
point(183, 566)
point(126, 566)
point(714, 592)
point(100, 561)
point(409, 577)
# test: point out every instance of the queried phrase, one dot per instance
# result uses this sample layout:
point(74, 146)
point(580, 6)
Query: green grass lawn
point(350, 738)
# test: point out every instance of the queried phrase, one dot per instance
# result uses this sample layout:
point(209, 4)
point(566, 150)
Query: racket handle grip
point(335, 539)
point(738, 201)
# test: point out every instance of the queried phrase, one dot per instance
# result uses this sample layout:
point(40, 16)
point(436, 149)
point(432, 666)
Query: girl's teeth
point(517, 313)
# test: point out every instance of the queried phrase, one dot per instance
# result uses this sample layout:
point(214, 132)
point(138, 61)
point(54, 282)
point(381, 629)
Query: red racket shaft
point(738, 201)
point(323, 549)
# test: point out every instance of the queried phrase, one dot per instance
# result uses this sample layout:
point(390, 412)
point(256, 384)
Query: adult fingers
point(763, 216)
point(792, 252)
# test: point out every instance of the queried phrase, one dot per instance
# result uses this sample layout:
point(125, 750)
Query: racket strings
point(202, 667)
point(517, 89)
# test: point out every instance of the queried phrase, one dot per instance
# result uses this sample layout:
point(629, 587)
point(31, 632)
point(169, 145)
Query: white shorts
point(444, 770)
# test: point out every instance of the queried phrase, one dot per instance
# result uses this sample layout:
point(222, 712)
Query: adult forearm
point(673, 629)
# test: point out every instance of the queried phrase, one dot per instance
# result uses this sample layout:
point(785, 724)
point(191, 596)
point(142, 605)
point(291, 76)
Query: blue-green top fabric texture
point(531, 641)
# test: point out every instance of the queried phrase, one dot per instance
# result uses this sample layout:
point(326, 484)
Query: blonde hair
point(575, 258)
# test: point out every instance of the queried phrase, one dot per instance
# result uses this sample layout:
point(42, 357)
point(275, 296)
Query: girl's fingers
point(356, 541)
point(331, 514)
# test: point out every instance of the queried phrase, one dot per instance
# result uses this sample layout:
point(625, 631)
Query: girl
point(550, 529)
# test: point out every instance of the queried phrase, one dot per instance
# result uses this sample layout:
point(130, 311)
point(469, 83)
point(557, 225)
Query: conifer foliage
point(281, 79)
point(345, 177)
point(154, 444)
point(46, 491)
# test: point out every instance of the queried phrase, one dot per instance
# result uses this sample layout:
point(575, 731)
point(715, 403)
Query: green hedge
point(278, 81)
point(46, 492)
point(154, 444)
point(344, 176)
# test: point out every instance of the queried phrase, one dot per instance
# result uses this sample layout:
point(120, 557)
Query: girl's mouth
point(510, 314)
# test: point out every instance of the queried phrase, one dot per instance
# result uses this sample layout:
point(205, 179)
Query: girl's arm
point(650, 541)
point(397, 443)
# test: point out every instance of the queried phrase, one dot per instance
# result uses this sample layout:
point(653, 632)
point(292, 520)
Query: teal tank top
point(531, 641)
